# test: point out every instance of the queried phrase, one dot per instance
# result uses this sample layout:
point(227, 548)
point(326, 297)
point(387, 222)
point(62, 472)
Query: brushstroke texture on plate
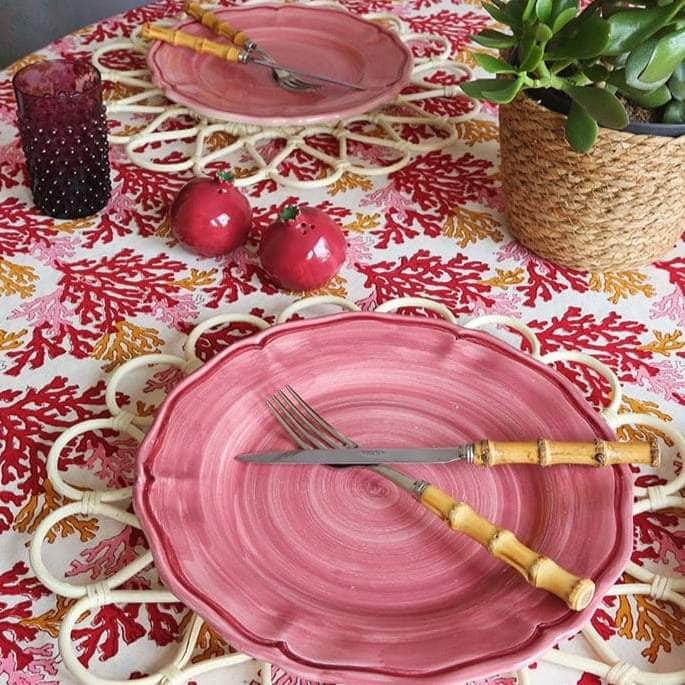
point(322, 40)
point(338, 575)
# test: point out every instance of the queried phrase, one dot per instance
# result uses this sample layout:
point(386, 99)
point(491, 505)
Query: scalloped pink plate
point(317, 39)
point(337, 575)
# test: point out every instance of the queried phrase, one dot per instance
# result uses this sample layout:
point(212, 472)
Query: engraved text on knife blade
point(434, 455)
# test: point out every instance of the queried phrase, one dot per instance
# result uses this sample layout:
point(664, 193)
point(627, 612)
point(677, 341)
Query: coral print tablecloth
point(80, 297)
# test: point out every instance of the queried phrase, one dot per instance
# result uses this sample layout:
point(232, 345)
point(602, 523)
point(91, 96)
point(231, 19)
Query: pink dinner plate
point(337, 575)
point(316, 39)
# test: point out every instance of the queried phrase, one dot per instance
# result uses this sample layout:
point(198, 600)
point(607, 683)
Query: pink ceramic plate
point(316, 39)
point(339, 576)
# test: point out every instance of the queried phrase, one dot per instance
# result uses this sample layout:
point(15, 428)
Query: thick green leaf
point(604, 107)
point(515, 9)
point(543, 10)
point(494, 65)
point(632, 27)
point(498, 90)
point(649, 99)
point(559, 6)
point(676, 83)
point(581, 128)
point(583, 38)
point(525, 48)
point(529, 11)
point(617, 77)
point(506, 90)
point(620, 60)
point(533, 58)
point(474, 88)
point(543, 33)
point(563, 18)
point(637, 62)
point(509, 13)
point(490, 38)
point(652, 64)
point(596, 73)
point(496, 13)
point(674, 113)
point(668, 54)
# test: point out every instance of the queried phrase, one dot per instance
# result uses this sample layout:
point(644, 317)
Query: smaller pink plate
point(316, 39)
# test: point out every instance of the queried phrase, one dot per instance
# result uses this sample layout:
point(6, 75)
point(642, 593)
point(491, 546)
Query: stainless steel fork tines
point(309, 430)
point(303, 424)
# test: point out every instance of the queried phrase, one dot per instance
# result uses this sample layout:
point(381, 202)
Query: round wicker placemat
point(376, 143)
point(113, 504)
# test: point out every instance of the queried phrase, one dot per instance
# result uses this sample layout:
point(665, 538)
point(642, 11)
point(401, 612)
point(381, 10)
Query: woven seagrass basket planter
point(618, 207)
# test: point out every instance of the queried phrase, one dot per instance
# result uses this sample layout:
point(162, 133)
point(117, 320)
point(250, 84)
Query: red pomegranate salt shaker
point(210, 216)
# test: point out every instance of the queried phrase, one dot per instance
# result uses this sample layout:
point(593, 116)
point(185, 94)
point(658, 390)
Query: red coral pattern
point(78, 297)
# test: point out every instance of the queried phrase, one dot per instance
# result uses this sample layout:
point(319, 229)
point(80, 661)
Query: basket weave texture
point(618, 207)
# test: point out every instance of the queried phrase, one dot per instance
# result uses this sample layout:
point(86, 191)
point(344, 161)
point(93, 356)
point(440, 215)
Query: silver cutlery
point(310, 431)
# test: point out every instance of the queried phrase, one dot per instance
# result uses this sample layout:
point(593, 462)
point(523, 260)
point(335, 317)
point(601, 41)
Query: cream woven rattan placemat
point(376, 143)
point(114, 504)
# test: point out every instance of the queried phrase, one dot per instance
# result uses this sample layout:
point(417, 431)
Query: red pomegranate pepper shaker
point(303, 249)
point(210, 216)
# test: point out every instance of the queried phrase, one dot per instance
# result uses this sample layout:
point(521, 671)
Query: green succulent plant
point(634, 50)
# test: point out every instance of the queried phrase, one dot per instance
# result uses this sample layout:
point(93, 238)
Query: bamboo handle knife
point(551, 453)
point(213, 23)
point(226, 51)
point(483, 453)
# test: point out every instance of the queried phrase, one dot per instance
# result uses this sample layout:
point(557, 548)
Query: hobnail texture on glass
point(63, 129)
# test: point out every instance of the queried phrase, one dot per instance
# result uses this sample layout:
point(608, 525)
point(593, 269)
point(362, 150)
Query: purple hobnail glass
point(63, 130)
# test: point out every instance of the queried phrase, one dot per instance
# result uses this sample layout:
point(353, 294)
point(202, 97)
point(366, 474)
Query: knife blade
point(345, 456)
point(483, 453)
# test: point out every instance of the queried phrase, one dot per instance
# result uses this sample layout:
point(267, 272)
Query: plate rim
point(265, 649)
point(388, 94)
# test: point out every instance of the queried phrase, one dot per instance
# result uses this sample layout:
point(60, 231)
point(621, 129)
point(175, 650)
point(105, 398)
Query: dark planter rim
point(555, 102)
